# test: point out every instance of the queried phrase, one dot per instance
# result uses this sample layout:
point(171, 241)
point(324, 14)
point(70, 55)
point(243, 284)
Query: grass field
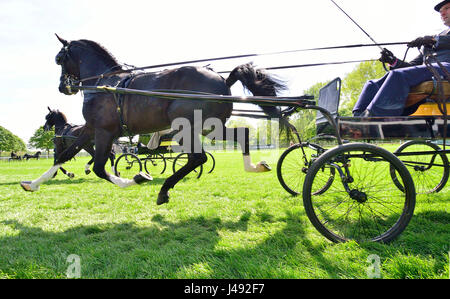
point(228, 224)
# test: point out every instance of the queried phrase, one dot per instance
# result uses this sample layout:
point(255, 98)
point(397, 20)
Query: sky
point(149, 32)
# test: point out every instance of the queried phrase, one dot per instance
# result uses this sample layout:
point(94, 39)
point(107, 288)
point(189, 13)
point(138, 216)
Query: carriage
point(155, 160)
point(353, 191)
point(344, 190)
point(349, 177)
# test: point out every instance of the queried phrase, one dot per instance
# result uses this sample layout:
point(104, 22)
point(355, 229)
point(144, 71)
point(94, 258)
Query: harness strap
point(119, 99)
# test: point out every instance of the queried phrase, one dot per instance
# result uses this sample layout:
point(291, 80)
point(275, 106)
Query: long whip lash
point(367, 34)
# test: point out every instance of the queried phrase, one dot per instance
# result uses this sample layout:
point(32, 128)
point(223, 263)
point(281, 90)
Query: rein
point(109, 73)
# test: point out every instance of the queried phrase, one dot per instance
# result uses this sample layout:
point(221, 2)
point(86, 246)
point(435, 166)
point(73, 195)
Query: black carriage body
point(385, 128)
point(374, 128)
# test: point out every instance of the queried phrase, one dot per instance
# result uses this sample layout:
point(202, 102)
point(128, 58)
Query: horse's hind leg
point(69, 174)
point(103, 144)
point(195, 159)
point(90, 149)
point(241, 136)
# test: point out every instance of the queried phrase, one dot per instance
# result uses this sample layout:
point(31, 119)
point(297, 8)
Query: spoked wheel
point(428, 166)
point(180, 161)
point(127, 166)
point(362, 204)
point(155, 164)
point(294, 164)
point(210, 163)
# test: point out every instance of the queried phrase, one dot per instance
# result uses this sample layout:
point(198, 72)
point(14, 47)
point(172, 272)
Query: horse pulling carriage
point(354, 191)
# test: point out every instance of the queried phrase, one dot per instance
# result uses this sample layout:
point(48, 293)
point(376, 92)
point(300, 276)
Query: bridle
point(73, 80)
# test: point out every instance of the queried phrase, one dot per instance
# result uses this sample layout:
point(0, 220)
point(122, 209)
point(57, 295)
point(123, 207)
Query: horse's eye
point(60, 57)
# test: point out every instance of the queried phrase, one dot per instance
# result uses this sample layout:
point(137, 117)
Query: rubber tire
point(210, 158)
point(446, 169)
point(150, 158)
point(124, 158)
point(406, 212)
point(178, 163)
point(301, 173)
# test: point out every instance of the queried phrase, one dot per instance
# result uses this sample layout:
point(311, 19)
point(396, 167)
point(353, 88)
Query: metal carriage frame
point(353, 212)
point(154, 161)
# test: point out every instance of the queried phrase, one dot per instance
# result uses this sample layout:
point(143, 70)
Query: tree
point(10, 142)
point(353, 83)
point(42, 139)
point(305, 119)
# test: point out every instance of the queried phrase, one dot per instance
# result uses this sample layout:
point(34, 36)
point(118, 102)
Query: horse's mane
point(100, 50)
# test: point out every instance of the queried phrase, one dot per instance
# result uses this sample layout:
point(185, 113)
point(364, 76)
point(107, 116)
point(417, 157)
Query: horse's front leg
point(103, 145)
point(65, 156)
point(194, 160)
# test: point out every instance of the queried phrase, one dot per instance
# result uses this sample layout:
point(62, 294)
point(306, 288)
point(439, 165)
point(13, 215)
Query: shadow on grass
point(189, 248)
point(163, 250)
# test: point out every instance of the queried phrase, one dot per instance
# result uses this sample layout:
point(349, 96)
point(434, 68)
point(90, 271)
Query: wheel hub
point(359, 196)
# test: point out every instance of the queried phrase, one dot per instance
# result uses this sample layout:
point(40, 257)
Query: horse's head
point(70, 67)
point(82, 59)
point(54, 118)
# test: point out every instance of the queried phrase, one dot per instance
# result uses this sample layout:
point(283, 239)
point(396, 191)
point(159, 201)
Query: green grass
point(228, 224)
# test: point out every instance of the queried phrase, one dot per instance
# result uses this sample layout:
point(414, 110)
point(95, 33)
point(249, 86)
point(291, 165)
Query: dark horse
point(65, 135)
point(35, 156)
point(109, 116)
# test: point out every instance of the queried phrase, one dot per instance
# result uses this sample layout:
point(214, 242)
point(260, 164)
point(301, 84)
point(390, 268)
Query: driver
point(387, 96)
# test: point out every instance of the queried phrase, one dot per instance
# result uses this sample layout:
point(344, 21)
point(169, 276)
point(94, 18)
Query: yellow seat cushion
point(429, 109)
point(426, 90)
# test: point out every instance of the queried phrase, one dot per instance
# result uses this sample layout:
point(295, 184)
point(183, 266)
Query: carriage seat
point(422, 97)
point(329, 97)
point(161, 138)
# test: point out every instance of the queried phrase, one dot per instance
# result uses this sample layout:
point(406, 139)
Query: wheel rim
point(430, 172)
point(155, 164)
point(127, 166)
point(374, 209)
point(292, 168)
point(180, 161)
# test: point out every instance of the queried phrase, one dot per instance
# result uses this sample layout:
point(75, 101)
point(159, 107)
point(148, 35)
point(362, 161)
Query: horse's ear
point(63, 41)
point(49, 109)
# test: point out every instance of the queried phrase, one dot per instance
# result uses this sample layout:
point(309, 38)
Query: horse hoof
point(71, 175)
point(87, 171)
point(26, 185)
point(142, 178)
point(162, 198)
point(263, 167)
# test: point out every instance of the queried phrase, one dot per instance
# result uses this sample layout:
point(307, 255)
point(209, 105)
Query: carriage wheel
point(294, 164)
point(127, 166)
point(180, 161)
point(155, 164)
point(363, 204)
point(210, 163)
point(429, 171)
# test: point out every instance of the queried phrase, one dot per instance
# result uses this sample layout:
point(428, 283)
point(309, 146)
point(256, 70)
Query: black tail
point(260, 83)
